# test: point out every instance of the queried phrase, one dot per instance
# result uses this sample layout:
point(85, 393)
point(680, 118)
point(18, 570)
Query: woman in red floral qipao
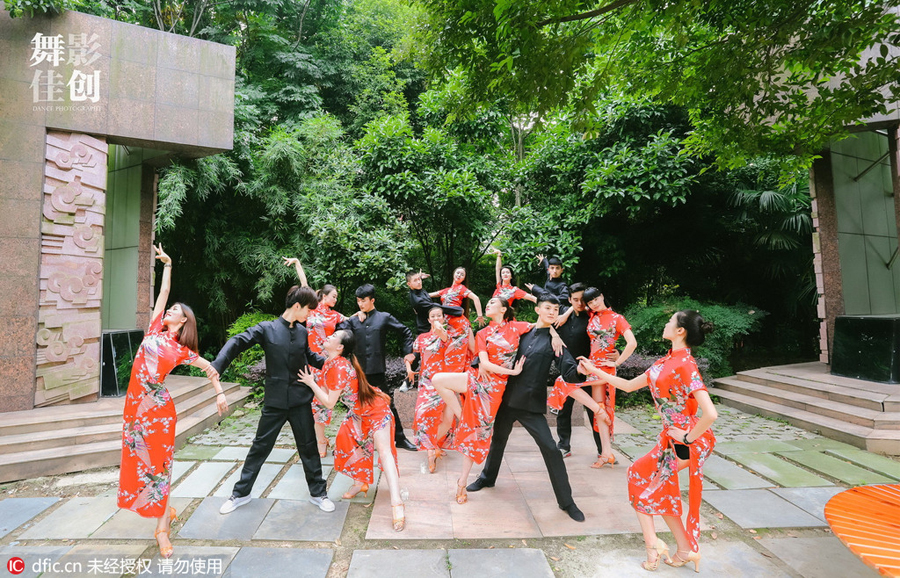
point(368, 425)
point(148, 436)
point(496, 345)
point(685, 442)
point(457, 293)
point(505, 289)
point(604, 328)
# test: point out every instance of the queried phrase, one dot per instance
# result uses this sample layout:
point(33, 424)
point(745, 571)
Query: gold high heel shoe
point(678, 561)
point(166, 552)
point(399, 517)
point(601, 461)
point(349, 494)
point(661, 550)
point(432, 462)
point(323, 448)
point(461, 496)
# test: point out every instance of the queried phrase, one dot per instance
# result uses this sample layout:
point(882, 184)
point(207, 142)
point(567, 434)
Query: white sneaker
point(323, 502)
point(233, 503)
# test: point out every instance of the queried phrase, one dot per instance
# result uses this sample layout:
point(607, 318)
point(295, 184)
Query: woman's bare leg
point(448, 385)
point(321, 440)
point(382, 439)
point(446, 422)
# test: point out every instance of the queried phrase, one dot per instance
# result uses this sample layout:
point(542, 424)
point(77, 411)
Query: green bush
point(239, 369)
point(732, 323)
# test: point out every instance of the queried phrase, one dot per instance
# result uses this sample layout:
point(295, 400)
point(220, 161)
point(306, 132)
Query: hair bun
point(707, 327)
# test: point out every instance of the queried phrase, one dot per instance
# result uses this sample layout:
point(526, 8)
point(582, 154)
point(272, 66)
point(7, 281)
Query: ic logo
point(15, 565)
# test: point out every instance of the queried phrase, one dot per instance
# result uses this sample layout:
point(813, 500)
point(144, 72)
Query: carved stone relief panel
point(72, 227)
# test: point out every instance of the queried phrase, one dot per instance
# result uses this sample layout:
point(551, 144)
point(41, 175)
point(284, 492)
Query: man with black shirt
point(555, 284)
point(286, 345)
point(422, 303)
point(370, 327)
point(525, 401)
point(573, 331)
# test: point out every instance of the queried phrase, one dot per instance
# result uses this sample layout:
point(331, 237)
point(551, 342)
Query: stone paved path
point(765, 491)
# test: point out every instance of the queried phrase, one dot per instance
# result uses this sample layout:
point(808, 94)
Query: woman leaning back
point(685, 442)
point(148, 436)
point(368, 425)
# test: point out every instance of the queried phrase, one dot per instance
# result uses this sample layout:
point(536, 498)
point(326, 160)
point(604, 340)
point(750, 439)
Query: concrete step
point(107, 410)
point(20, 465)
point(834, 409)
point(189, 400)
point(841, 430)
point(855, 396)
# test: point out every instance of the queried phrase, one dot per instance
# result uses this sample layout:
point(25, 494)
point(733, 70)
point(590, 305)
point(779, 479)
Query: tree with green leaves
point(758, 77)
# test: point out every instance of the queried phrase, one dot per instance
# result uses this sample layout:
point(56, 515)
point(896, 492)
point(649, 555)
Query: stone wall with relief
point(71, 270)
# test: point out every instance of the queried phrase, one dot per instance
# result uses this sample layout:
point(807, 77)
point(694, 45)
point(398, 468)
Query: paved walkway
point(765, 492)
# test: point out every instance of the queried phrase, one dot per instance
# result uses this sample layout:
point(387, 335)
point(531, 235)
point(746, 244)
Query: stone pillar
point(826, 258)
point(893, 137)
point(71, 269)
point(146, 254)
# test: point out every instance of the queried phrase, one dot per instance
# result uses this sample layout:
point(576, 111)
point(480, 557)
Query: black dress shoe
point(478, 484)
point(574, 513)
point(405, 444)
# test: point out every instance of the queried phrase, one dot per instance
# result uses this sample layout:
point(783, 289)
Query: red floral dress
point(653, 479)
point(320, 324)
point(148, 435)
point(457, 356)
point(509, 292)
point(472, 436)
point(354, 446)
point(604, 329)
point(454, 295)
point(429, 405)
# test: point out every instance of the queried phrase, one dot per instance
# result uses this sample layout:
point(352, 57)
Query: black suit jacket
point(371, 335)
point(528, 390)
point(422, 303)
point(287, 352)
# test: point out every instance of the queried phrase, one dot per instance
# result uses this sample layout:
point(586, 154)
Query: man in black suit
point(573, 332)
point(525, 401)
point(422, 303)
point(285, 342)
point(370, 327)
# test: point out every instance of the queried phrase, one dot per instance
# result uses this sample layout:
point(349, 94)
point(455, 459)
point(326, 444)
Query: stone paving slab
point(126, 524)
point(822, 557)
point(267, 473)
point(835, 468)
point(812, 500)
point(239, 454)
point(760, 509)
point(302, 522)
point(84, 561)
point(730, 476)
point(754, 446)
point(820, 444)
point(292, 485)
point(880, 464)
point(195, 452)
point(203, 480)
point(499, 563)
point(16, 511)
point(720, 558)
point(280, 563)
point(206, 523)
point(31, 555)
point(77, 518)
point(180, 468)
point(409, 563)
point(193, 561)
point(778, 470)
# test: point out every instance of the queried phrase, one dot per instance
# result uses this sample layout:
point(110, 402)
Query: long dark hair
point(187, 335)
point(510, 313)
point(325, 290)
point(366, 393)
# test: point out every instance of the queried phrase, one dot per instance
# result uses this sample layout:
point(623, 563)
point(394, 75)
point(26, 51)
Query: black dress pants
point(536, 425)
point(270, 423)
point(564, 424)
point(379, 381)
